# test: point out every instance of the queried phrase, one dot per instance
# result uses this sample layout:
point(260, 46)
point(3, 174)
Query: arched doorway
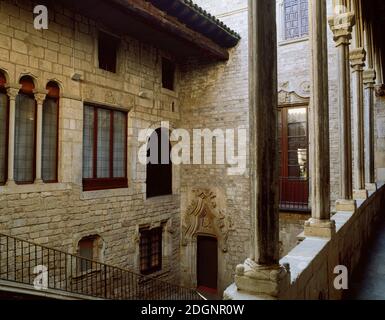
point(207, 263)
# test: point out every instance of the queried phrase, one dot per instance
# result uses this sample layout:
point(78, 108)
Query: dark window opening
point(107, 50)
point(104, 149)
point(150, 250)
point(159, 168)
point(88, 248)
point(168, 74)
point(49, 148)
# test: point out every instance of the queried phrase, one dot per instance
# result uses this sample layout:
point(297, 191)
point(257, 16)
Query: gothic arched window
point(159, 168)
point(25, 132)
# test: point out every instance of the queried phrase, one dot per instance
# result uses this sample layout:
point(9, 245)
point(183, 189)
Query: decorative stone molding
point(291, 98)
point(204, 217)
point(380, 90)
point(357, 59)
point(369, 78)
point(40, 97)
point(12, 93)
point(341, 25)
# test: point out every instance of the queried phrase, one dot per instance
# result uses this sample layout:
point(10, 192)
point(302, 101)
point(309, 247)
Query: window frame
point(149, 234)
point(3, 90)
point(300, 36)
point(57, 98)
point(168, 64)
point(31, 95)
point(94, 183)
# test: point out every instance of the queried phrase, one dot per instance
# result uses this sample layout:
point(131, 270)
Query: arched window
point(25, 132)
point(90, 248)
point(159, 168)
point(50, 133)
point(4, 107)
point(296, 18)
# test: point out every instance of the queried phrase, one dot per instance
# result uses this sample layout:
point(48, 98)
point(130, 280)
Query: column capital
point(40, 97)
point(369, 78)
point(357, 59)
point(341, 25)
point(12, 93)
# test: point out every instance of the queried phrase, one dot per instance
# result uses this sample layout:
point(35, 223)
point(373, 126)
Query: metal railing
point(294, 194)
point(31, 264)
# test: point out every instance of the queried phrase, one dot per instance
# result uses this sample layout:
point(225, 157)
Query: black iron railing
point(294, 194)
point(45, 268)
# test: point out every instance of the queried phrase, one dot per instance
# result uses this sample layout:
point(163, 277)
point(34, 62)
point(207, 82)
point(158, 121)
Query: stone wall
point(60, 214)
point(313, 261)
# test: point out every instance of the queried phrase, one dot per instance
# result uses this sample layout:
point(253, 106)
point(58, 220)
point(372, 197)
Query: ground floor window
point(150, 250)
point(3, 133)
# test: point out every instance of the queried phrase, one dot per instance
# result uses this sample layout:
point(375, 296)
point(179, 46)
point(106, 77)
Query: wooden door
point(207, 262)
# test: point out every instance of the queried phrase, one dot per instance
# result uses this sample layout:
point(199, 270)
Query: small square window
point(107, 51)
point(168, 74)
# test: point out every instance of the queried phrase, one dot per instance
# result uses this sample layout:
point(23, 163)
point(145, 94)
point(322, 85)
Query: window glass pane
point(103, 162)
point(119, 144)
point(24, 138)
point(88, 142)
point(3, 136)
point(49, 140)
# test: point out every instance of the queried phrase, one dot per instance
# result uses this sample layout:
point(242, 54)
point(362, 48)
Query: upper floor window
point(168, 74)
point(50, 133)
point(159, 167)
point(107, 51)
point(25, 133)
point(150, 250)
point(3, 129)
point(296, 19)
point(104, 149)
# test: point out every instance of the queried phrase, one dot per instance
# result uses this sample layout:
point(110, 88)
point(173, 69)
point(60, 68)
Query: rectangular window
point(107, 51)
point(104, 149)
point(168, 74)
point(3, 137)
point(25, 129)
point(50, 140)
point(296, 18)
point(150, 250)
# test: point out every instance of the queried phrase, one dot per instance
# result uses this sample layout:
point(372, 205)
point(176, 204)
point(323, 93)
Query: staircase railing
point(45, 268)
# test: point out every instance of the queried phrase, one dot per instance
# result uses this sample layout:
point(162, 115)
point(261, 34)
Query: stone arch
point(29, 76)
point(203, 217)
point(57, 83)
point(4, 74)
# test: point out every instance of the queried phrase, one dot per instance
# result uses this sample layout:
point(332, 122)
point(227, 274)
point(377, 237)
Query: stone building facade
point(205, 200)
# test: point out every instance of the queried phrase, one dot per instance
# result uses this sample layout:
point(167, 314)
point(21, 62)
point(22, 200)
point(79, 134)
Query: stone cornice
point(357, 58)
point(341, 25)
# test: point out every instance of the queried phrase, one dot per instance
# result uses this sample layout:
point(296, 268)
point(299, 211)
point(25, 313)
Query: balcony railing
point(27, 263)
point(294, 194)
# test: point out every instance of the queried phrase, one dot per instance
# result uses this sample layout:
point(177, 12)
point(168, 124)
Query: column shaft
point(39, 130)
point(319, 113)
point(263, 130)
point(357, 58)
point(12, 93)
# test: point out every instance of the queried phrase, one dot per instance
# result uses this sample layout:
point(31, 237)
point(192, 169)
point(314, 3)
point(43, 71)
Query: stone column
point(357, 61)
point(12, 93)
point(261, 275)
point(39, 135)
point(341, 26)
point(320, 224)
point(369, 77)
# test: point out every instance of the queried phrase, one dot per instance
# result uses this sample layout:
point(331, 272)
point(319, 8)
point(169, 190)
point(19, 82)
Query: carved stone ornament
point(380, 90)
point(204, 217)
point(289, 98)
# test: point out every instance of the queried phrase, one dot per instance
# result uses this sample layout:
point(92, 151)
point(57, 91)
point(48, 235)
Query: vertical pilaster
point(12, 93)
point(39, 136)
point(341, 26)
point(320, 224)
point(357, 61)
